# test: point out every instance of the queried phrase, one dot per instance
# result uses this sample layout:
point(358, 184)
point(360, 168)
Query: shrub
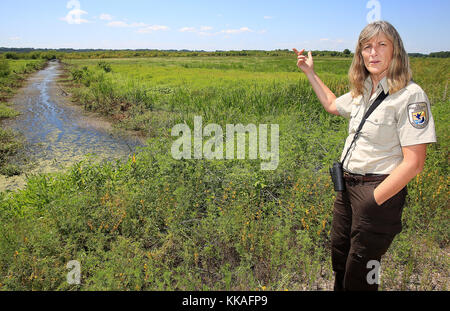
point(105, 66)
point(49, 56)
point(35, 55)
point(11, 55)
point(4, 68)
point(7, 112)
point(83, 75)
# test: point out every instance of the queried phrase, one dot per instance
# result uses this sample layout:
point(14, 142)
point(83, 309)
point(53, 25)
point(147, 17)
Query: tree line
point(31, 53)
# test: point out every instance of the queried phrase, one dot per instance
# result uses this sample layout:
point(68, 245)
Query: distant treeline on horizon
point(32, 53)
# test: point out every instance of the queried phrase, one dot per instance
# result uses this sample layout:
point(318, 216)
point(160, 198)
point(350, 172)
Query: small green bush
point(4, 68)
point(105, 66)
point(7, 112)
point(11, 55)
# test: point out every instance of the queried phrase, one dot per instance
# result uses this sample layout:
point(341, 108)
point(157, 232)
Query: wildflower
point(196, 257)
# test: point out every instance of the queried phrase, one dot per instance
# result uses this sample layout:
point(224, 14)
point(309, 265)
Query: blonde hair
point(399, 72)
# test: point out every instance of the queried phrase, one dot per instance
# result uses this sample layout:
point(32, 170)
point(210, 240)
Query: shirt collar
point(368, 85)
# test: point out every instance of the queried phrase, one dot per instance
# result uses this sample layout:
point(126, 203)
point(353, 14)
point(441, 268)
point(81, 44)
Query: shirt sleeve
point(415, 121)
point(343, 105)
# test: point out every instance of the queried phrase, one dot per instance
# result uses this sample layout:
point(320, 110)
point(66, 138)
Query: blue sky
point(217, 25)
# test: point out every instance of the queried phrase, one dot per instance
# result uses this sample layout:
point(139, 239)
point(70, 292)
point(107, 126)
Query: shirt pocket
point(380, 126)
point(355, 119)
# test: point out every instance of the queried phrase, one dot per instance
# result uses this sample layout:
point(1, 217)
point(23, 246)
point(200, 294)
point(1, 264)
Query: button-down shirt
point(402, 119)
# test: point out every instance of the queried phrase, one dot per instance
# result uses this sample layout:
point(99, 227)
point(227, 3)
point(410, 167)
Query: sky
point(219, 25)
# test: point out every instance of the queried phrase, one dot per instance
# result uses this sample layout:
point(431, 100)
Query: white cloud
point(106, 17)
point(74, 15)
point(202, 32)
point(235, 31)
point(187, 29)
point(117, 24)
point(15, 38)
point(143, 27)
point(149, 29)
point(124, 24)
point(138, 25)
point(325, 39)
point(268, 17)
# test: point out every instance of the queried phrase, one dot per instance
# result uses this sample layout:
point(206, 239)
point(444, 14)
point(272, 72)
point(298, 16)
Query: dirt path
point(58, 133)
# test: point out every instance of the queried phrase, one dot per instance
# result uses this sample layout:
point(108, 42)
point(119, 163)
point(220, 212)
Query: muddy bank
point(56, 133)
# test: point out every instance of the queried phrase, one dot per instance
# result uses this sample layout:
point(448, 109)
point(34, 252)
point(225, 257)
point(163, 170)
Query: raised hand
point(306, 64)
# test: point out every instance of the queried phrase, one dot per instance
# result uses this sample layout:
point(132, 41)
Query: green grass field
point(156, 223)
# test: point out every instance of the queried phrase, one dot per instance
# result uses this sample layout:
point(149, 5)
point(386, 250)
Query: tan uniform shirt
point(402, 119)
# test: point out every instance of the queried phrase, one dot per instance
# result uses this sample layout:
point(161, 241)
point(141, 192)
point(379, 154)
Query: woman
point(388, 153)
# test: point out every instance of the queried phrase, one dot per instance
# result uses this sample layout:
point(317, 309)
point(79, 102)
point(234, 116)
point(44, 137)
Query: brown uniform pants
point(362, 231)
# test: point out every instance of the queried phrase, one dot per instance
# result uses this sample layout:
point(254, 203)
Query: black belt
point(363, 178)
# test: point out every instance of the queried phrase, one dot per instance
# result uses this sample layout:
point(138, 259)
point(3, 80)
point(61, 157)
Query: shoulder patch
point(418, 115)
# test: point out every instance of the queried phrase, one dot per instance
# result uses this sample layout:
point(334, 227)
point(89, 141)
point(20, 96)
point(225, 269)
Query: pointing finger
point(297, 52)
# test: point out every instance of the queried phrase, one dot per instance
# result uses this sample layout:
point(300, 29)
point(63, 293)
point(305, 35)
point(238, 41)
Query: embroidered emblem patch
point(418, 115)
